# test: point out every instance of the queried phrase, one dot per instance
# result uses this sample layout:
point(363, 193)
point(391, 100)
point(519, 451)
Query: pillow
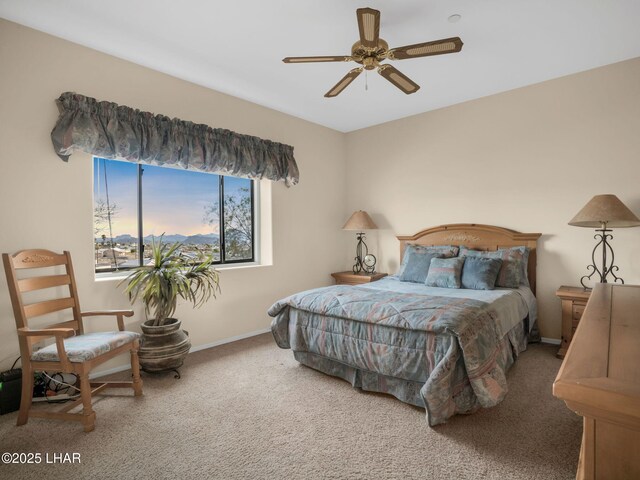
point(416, 265)
point(524, 279)
point(514, 267)
point(480, 273)
point(445, 251)
point(445, 272)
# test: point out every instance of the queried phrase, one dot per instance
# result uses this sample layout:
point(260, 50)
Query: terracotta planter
point(163, 347)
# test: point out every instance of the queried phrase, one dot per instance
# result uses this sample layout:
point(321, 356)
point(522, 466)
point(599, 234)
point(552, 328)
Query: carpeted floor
point(248, 410)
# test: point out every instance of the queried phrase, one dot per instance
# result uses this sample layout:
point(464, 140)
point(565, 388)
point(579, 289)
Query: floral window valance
point(113, 131)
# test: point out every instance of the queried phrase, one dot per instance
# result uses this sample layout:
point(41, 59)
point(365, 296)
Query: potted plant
point(171, 274)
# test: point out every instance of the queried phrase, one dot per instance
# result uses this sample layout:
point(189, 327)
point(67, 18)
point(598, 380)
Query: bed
point(443, 349)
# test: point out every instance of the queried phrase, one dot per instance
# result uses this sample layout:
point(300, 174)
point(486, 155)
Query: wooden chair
point(73, 351)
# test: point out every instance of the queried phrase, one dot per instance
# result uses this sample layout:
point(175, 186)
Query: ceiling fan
point(370, 50)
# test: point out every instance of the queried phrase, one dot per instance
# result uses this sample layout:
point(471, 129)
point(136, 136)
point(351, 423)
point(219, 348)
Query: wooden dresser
point(574, 300)
point(600, 380)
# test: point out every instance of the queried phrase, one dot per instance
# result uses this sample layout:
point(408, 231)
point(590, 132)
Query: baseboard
point(102, 373)
point(122, 368)
point(552, 341)
point(229, 340)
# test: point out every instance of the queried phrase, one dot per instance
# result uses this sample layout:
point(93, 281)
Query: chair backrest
point(30, 259)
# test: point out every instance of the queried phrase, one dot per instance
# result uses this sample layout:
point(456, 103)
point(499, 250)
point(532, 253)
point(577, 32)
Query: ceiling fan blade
point(426, 49)
point(343, 83)
point(369, 26)
point(342, 58)
point(398, 78)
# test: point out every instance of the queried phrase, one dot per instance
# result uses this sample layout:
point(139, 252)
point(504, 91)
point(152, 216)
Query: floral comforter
point(447, 354)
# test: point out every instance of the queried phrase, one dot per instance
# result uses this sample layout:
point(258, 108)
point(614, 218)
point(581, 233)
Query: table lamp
point(360, 221)
point(605, 212)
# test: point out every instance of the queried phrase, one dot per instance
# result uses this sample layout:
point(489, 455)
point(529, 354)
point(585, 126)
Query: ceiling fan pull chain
point(366, 80)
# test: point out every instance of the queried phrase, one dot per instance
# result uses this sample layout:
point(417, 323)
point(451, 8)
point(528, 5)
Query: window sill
point(119, 276)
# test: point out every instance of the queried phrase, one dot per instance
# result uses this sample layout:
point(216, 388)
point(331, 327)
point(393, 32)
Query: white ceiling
point(236, 46)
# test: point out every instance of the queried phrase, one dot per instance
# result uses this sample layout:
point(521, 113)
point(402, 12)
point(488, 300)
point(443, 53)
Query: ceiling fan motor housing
point(370, 58)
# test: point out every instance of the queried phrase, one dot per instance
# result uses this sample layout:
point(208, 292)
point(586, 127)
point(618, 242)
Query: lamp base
point(363, 263)
point(608, 266)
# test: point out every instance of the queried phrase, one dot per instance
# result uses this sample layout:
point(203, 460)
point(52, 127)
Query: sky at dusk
point(173, 200)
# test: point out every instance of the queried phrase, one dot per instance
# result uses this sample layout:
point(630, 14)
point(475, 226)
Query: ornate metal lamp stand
point(608, 266)
point(366, 262)
point(360, 221)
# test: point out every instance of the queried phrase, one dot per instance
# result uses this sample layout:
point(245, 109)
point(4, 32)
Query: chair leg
point(135, 368)
point(88, 415)
point(27, 394)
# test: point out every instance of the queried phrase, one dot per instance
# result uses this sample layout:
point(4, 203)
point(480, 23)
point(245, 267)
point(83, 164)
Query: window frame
point(221, 236)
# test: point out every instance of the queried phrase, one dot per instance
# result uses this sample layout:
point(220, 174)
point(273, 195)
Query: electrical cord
point(46, 382)
point(53, 384)
point(14, 363)
point(59, 386)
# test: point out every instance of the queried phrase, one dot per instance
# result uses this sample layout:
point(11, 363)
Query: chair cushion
point(85, 347)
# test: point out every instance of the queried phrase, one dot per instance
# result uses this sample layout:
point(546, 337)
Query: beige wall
point(527, 159)
point(46, 203)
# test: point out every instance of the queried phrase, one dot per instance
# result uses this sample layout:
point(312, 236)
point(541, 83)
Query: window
point(134, 204)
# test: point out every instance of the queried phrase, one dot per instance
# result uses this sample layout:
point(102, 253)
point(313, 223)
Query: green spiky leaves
point(170, 275)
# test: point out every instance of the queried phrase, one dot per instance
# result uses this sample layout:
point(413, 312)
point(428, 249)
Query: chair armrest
point(47, 332)
point(97, 313)
point(59, 333)
point(119, 314)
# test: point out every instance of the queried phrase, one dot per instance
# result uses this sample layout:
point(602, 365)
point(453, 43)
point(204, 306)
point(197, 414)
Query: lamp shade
point(605, 209)
point(360, 220)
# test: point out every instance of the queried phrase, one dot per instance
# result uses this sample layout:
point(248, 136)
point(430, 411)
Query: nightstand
point(574, 299)
point(350, 278)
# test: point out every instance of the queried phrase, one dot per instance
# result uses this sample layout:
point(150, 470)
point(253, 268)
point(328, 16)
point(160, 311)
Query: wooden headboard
point(478, 237)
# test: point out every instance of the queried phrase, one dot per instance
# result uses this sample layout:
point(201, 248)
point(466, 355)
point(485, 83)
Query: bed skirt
point(464, 400)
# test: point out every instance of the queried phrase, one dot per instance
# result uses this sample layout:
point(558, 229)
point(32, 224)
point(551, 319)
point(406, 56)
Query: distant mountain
point(198, 239)
point(202, 239)
point(126, 238)
point(167, 238)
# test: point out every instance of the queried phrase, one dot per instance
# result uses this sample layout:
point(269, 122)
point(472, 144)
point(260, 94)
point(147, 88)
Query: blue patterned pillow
point(513, 271)
point(416, 266)
point(524, 274)
point(444, 251)
point(445, 272)
point(480, 273)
